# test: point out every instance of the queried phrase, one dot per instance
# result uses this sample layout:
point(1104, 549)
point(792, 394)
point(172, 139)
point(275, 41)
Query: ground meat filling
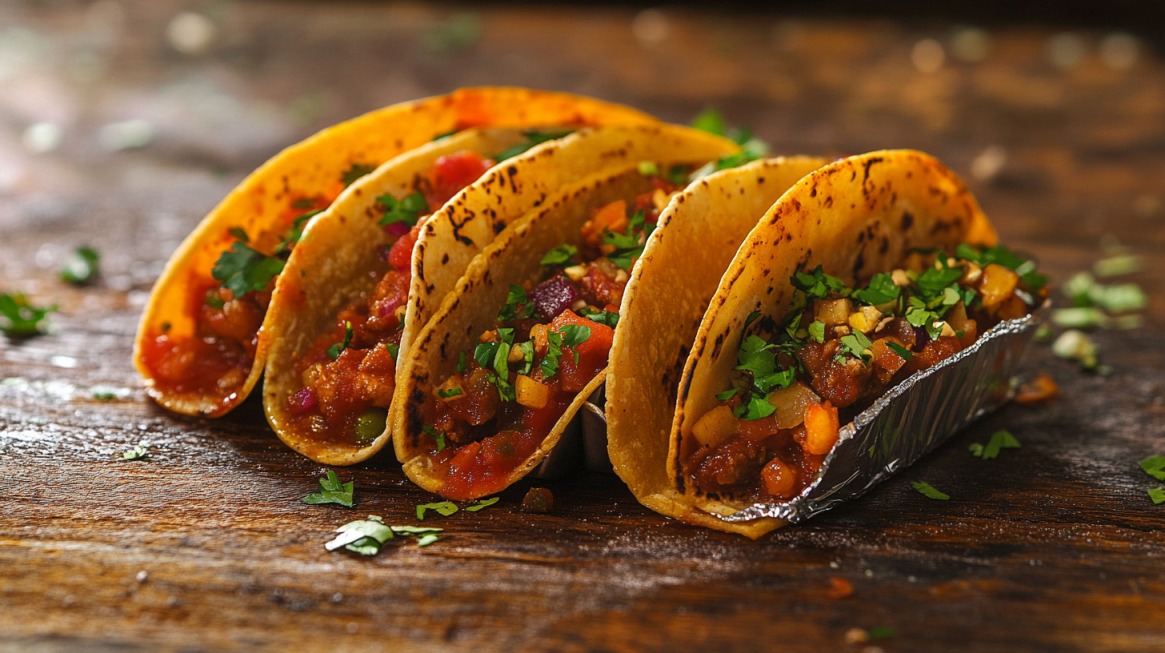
point(838, 349)
point(551, 339)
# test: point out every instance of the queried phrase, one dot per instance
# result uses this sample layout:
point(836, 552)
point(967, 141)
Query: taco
point(337, 320)
point(865, 272)
point(496, 375)
point(200, 345)
point(665, 298)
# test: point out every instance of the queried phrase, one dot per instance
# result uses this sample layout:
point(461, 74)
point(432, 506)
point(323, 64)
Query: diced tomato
point(451, 173)
point(611, 216)
point(757, 430)
point(592, 352)
point(479, 400)
point(400, 256)
point(601, 288)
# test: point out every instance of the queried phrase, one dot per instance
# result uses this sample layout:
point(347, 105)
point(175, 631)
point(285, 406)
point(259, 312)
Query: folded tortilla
point(854, 217)
point(309, 175)
point(513, 258)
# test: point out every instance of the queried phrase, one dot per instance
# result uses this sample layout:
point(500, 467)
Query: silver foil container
point(912, 419)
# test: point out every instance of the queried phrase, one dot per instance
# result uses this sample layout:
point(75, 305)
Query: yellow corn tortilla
point(314, 167)
point(471, 308)
point(855, 217)
point(700, 231)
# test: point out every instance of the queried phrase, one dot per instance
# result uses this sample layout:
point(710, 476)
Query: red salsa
point(349, 372)
point(838, 349)
point(551, 340)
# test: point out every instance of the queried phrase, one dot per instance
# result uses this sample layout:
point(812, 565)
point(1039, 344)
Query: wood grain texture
point(206, 546)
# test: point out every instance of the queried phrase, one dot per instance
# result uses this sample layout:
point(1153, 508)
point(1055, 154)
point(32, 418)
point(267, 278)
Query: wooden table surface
point(122, 123)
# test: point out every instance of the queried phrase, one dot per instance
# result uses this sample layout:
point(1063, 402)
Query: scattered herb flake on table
point(138, 452)
point(929, 491)
point(443, 508)
point(481, 503)
point(332, 491)
point(1154, 466)
point(998, 441)
point(20, 318)
point(367, 536)
point(82, 267)
point(1157, 495)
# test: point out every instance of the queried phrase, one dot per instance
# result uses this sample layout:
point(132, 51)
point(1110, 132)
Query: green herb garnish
point(242, 269)
point(448, 393)
point(82, 267)
point(443, 508)
point(905, 353)
point(819, 285)
point(727, 394)
point(394, 350)
point(629, 245)
point(1154, 466)
point(929, 491)
point(518, 306)
point(438, 436)
point(481, 503)
point(138, 452)
point(338, 348)
point(367, 536)
point(331, 491)
point(560, 255)
point(533, 138)
point(1157, 495)
point(295, 232)
point(856, 344)
point(19, 318)
point(408, 209)
point(355, 172)
point(998, 441)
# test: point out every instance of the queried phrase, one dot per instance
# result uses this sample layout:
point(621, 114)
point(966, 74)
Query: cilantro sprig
point(243, 269)
point(82, 267)
point(355, 172)
point(19, 318)
point(367, 536)
point(628, 246)
point(407, 209)
point(561, 255)
point(998, 441)
point(533, 138)
point(332, 490)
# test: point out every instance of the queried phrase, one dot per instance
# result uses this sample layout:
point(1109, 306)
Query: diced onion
point(531, 393)
point(716, 426)
point(790, 403)
point(833, 311)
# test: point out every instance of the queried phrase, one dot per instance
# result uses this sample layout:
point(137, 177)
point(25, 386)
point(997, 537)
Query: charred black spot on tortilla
point(419, 271)
point(766, 272)
point(853, 174)
point(859, 263)
point(868, 163)
point(464, 240)
point(770, 290)
point(813, 192)
point(940, 226)
point(861, 236)
point(499, 226)
point(414, 423)
point(884, 246)
point(718, 344)
point(907, 220)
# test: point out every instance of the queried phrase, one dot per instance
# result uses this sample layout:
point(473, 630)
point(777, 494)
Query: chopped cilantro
point(438, 436)
point(484, 354)
point(1157, 495)
point(533, 137)
point(880, 290)
point(817, 331)
point(518, 306)
point(628, 245)
point(998, 441)
point(242, 269)
point(19, 318)
point(406, 210)
point(756, 408)
point(394, 350)
point(295, 232)
point(905, 353)
point(443, 508)
point(481, 503)
point(819, 285)
point(549, 365)
point(856, 344)
point(527, 349)
point(138, 452)
point(331, 491)
point(82, 267)
point(448, 393)
point(927, 490)
point(880, 632)
point(239, 233)
point(711, 121)
point(461, 366)
point(367, 536)
point(727, 394)
point(335, 350)
point(356, 171)
point(560, 255)
point(1154, 466)
point(609, 318)
point(648, 169)
point(574, 335)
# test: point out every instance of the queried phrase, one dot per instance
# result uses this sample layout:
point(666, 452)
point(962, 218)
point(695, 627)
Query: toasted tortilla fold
point(854, 217)
point(512, 259)
point(666, 295)
point(328, 270)
point(314, 167)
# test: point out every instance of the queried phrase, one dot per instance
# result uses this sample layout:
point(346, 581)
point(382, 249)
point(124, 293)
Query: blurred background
point(140, 115)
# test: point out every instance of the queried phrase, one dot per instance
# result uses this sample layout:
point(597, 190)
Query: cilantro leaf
point(905, 353)
point(481, 503)
point(1154, 466)
point(19, 318)
point(1157, 495)
point(609, 318)
point(295, 232)
point(437, 436)
point(331, 491)
point(406, 210)
point(998, 441)
point(518, 306)
point(338, 348)
point(394, 350)
point(533, 138)
point(856, 344)
point(756, 408)
point(356, 171)
point(82, 267)
point(242, 269)
point(929, 491)
point(817, 330)
point(880, 290)
point(138, 452)
point(560, 255)
point(709, 120)
point(443, 508)
point(574, 335)
point(819, 285)
point(727, 394)
point(367, 536)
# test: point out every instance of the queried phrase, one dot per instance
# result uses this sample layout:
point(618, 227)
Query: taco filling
point(228, 305)
point(348, 373)
point(838, 349)
point(549, 342)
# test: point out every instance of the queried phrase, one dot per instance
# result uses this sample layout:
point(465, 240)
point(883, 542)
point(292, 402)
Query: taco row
point(457, 276)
